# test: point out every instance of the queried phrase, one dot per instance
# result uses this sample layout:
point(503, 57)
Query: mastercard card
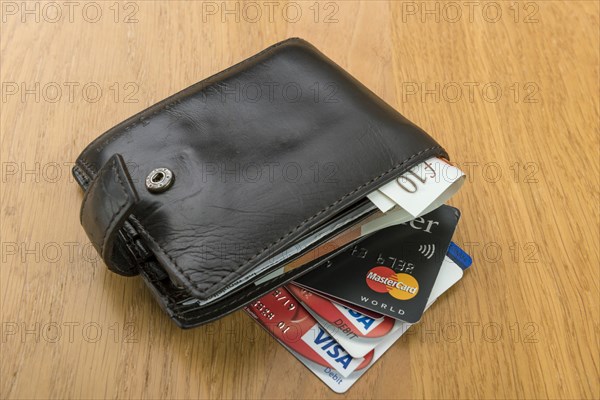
point(448, 276)
point(288, 322)
point(455, 255)
point(393, 271)
point(356, 329)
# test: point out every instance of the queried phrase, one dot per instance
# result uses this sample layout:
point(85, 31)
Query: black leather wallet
point(212, 192)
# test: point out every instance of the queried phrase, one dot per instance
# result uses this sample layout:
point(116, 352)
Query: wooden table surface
point(509, 88)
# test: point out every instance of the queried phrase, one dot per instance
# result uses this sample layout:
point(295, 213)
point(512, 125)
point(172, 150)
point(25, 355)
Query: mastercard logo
point(399, 285)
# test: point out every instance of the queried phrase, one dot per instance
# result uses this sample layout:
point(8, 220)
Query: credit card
point(449, 275)
point(459, 256)
point(356, 332)
point(350, 324)
point(393, 271)
point(455, 254)
point(288, 322)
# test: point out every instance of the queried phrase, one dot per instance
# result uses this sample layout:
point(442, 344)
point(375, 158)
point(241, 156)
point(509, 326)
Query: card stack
point(341, 317)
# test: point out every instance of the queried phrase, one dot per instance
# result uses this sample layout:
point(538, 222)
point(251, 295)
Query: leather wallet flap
point(262, 154)
point(107, 203)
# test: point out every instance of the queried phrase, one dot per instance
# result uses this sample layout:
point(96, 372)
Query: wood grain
point(513, 98)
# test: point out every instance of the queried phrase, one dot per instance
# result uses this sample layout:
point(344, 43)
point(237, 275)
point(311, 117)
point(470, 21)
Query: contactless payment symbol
point(399, 285)
point(428, 250)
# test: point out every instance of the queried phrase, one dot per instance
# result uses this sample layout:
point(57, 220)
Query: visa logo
point(327, 347)
point(363, 323)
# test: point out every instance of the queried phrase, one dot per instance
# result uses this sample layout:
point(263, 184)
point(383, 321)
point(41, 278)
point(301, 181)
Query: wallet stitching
point(82, 177)
point(240, 299)
point(263, 250)
point(91, 191)
point(83, 163)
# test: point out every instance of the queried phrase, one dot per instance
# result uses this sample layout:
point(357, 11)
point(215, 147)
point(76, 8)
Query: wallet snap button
point(159, 180)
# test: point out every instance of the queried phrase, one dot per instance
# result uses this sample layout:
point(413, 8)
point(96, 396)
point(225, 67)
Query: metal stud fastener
point(159, 180)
